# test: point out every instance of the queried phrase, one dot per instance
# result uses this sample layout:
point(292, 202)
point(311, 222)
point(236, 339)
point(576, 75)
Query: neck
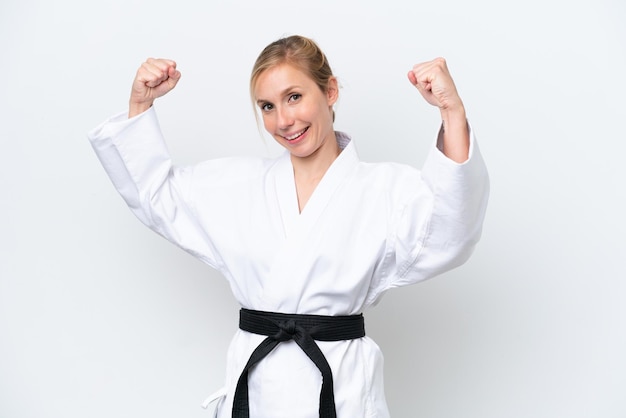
point(314, 166)
point(308, 171)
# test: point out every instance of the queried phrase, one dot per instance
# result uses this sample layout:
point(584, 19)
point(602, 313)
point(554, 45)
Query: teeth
point(294, 136)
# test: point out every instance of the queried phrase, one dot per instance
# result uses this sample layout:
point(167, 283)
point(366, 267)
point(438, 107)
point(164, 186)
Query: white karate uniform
point(365, 229)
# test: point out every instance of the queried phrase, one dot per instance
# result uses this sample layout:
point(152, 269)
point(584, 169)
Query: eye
point(295, 97)
point(266, 107)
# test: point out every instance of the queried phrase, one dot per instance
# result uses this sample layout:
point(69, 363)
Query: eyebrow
point(283, 93)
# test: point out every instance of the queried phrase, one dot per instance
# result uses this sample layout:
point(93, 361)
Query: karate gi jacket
point(367, 228)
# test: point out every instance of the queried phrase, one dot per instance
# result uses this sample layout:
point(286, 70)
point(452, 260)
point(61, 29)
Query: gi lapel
point(293, 264)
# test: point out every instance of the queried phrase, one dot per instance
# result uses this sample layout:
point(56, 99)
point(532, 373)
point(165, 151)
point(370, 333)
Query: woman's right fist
point(155, 78)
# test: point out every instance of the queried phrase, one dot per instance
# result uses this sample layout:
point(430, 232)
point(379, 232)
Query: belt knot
point(287, 330)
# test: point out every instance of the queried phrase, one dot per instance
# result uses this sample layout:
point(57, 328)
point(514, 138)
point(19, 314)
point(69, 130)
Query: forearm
point(456, 140)
point(135, 109)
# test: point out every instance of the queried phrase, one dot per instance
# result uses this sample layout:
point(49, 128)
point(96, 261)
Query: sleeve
point(440, 222)
point(136, 159)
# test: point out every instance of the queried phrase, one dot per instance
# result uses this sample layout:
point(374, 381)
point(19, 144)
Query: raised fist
point(434, 82)
point(155, 78)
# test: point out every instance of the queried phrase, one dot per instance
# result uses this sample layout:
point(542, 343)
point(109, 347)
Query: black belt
point(304, 330)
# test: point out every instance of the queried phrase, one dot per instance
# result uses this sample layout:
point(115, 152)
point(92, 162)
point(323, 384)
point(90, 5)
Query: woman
point(308, 240)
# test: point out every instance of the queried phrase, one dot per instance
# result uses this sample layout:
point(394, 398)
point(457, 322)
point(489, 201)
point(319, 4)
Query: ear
point(332, 92)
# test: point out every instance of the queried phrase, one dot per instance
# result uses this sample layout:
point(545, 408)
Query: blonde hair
point(300, 52)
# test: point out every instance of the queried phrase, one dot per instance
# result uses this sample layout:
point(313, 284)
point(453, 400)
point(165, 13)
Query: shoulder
point(229, 171)
point(388, 173)
point(385, 183)
point(380, 176)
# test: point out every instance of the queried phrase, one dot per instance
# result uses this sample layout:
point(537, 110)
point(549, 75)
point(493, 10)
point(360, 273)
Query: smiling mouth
point(296, 135)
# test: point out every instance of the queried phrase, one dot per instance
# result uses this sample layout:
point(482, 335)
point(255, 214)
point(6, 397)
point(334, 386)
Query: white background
point(100, 317)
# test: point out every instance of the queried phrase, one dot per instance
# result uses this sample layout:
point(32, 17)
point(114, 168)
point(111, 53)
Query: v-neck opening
point(296, 221)
point(315, 188)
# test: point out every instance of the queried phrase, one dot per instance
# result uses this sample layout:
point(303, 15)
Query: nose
point(285, 117)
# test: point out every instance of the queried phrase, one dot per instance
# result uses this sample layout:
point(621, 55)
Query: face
point(295, 111)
